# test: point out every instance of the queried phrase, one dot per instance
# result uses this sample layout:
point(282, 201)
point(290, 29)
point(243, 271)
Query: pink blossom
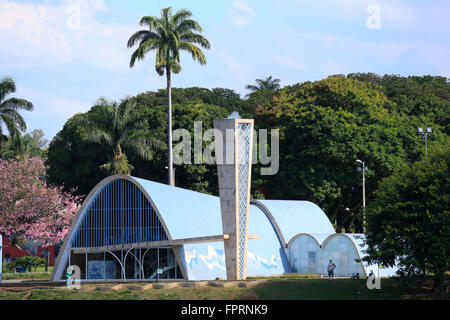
point(31, 209)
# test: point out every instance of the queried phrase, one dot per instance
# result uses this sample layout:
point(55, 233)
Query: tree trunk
point(439, 285)
point(169, 128)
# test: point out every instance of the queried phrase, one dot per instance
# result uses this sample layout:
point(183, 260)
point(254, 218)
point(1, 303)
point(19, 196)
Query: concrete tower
point(233, 142)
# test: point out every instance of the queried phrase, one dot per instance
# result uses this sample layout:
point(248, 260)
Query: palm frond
point(142, 144)
point(262, 84)
point(14, 118)
point(196, 38)
point(140, 36)
point(251, 87)
point(195, 51)
point(7, 86)
point(188, 26)
point(150, 21)
point(16, 104)
point(100, 136)
point(174, 39)
point(170, 33)
point(180, 16)
point(10, 125)
point(143, 48)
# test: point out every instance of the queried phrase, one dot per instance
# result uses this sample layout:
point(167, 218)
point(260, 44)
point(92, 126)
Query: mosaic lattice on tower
point(234, 190)
point(244, 130)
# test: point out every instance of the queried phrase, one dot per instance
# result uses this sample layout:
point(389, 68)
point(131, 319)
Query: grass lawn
point(39, 274)
point(274, 289)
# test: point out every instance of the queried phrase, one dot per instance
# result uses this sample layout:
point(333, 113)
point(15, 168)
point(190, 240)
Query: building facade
point(134, 229)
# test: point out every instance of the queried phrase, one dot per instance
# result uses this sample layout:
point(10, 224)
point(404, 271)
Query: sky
point(64, 55)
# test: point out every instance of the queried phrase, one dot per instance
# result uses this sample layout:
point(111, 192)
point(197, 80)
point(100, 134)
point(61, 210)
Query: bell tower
point(233, 142)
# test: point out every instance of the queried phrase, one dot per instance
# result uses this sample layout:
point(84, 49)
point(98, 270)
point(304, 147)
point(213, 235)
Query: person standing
point(330, 270)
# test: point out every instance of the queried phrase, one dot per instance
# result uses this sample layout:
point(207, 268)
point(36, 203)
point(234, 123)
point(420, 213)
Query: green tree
point(168, 35)
point(9, 115)
point(264, 84)
point(27, 262)
point(72, 161)
point(23, 146)
point(197, 177)
point(424, 99)
point(409, 220)
point(324, 127)
point(116, 126)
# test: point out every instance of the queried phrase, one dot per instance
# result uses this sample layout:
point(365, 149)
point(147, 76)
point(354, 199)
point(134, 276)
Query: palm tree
point(9, 108)
point(117, 126)
point(168, 35)
point(266, 84)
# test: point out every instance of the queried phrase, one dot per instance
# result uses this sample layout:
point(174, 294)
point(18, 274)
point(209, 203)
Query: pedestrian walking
point(330, 269)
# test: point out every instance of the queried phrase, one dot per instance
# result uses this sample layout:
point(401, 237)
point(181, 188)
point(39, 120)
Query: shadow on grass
point(272, 289)
point(338, 289)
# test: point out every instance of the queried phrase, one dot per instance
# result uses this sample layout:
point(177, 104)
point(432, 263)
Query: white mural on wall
point(259, 262)
point(190, 255)
point(207, 262)
point(209, 259)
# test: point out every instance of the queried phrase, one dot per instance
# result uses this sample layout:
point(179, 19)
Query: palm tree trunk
point(169, 129)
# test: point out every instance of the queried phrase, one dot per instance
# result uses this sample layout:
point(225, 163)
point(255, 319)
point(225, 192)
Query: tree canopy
point(409, 218)
point(324, 127)
point(74, 160)
point(264, 84)
point(117, 126)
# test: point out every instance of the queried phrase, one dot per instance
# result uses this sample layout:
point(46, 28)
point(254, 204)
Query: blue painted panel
point(99, 269)
point(205, 261)
point(265, 256)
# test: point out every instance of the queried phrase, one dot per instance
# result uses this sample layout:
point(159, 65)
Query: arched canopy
point(291, 217)
point(186, 213)
point(310, 253)
point(118, 211)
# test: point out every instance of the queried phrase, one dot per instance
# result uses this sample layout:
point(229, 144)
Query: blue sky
point(65, 54)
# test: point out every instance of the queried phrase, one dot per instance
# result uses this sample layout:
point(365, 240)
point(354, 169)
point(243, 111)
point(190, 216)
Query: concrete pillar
point(234, 164)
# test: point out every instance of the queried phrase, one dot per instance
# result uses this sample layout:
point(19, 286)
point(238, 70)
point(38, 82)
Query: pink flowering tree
point(29, 208)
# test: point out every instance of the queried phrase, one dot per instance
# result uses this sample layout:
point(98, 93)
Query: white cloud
point(47, 104)
point(236, 68)
point(240, 13)
point(47, 32)
point(291, 62)
point(437, 56)
point(398, 14)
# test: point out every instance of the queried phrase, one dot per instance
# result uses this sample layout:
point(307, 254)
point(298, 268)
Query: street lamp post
point(424, 135)
point(173, 174)
point(364, 193)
